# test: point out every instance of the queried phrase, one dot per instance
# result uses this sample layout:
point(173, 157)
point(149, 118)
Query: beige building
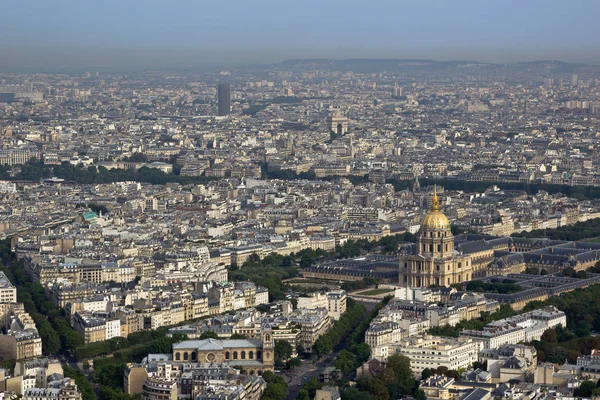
point(8, 292)
point(313, 323)
point(159, 389)
point(333, 301)
point(255, 356)
point(434, 261)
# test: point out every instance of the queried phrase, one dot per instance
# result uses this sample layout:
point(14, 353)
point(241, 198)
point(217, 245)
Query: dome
point(435, 220)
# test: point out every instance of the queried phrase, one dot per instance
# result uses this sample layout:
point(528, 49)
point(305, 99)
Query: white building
point(113, 328)
point(433, 352)
point(520, 328)
point(8, 293)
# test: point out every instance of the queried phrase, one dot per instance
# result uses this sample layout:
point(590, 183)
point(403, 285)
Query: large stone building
point(440, 258)
point(434, 261)
point(255, 356)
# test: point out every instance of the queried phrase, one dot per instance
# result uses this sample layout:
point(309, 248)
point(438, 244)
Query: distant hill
point(364, 65)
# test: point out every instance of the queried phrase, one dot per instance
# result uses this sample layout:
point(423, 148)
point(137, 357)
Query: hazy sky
point(110, 32)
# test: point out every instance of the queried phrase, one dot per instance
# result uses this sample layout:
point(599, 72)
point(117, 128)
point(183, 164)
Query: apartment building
point(313, 323)
point(433, 352)
point(333, 301)
point(520, 328)
point(8, 292)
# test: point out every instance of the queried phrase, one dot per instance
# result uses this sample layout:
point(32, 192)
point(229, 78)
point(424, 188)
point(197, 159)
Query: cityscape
point(328, 228)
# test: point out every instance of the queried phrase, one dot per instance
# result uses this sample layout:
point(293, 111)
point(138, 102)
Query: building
point(61, 389)
point(327, 393)
point(8, 292)
point(520, 328)
point(433, 352)
point(159, 389)
point(224, 99)
point(433, 260)
point(313, 323)
point(255, 356)
point(333, 301)
point(438, 387)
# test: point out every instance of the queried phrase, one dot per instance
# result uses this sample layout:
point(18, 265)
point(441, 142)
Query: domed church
point(433, 260)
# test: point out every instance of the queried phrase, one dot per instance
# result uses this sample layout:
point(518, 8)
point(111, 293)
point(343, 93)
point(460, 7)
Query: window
point(243, 355)
point(185, 356)
point(251, 355)
point(194, 356)
point(437, 267)
point(227, 355)
point(439, 247)
point(177, 356)
point(235, 355)
point(258, 355)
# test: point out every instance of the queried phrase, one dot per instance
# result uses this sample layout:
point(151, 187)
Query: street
point(308, 370)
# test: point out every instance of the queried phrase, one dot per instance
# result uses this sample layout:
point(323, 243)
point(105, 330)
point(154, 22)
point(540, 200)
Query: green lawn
point(375, 292)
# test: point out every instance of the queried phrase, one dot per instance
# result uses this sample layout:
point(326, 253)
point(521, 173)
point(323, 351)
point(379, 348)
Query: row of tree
point(494, 286)
point(360, 352)
point(340, 330)
point(579, 231)
point(394, 382)
point(578, 192)
point(485, 318)
point(268, 272)
point(34, 170)
point(54, 328)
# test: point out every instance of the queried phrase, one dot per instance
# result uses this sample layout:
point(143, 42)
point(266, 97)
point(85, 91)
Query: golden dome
point(435, 219)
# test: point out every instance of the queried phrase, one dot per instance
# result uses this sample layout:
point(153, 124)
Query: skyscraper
point(224, 99)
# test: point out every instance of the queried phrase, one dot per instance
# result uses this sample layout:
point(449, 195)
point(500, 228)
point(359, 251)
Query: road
point(308, 369)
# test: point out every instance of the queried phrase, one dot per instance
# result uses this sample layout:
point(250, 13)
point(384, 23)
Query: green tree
point(549, 335)
point(283, 351)
point(209, 335)
point(345, 362)
point(426, 373)
point(586, 389)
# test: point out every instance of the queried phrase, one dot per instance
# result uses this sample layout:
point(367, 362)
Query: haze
point(149, 34)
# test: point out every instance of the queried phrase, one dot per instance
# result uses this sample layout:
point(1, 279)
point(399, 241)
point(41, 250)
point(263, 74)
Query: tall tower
point(224, 99)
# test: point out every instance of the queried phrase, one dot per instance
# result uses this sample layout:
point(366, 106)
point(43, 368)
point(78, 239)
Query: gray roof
point(216, 344)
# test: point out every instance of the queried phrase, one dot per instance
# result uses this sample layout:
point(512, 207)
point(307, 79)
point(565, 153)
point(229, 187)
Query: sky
point(109, 33)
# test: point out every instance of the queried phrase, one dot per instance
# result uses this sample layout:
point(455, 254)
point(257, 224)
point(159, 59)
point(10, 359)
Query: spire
point(435, 202)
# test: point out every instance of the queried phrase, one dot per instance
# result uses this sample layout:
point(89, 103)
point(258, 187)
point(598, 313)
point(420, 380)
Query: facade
point(159, 389)
point(433, 352)
point(255, 356)
point(520, 328)
point(313, 323)
point(8, 292)
point(333, 301)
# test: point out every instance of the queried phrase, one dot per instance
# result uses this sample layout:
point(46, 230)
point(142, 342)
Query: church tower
point(268, 350)
point(433, 261)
